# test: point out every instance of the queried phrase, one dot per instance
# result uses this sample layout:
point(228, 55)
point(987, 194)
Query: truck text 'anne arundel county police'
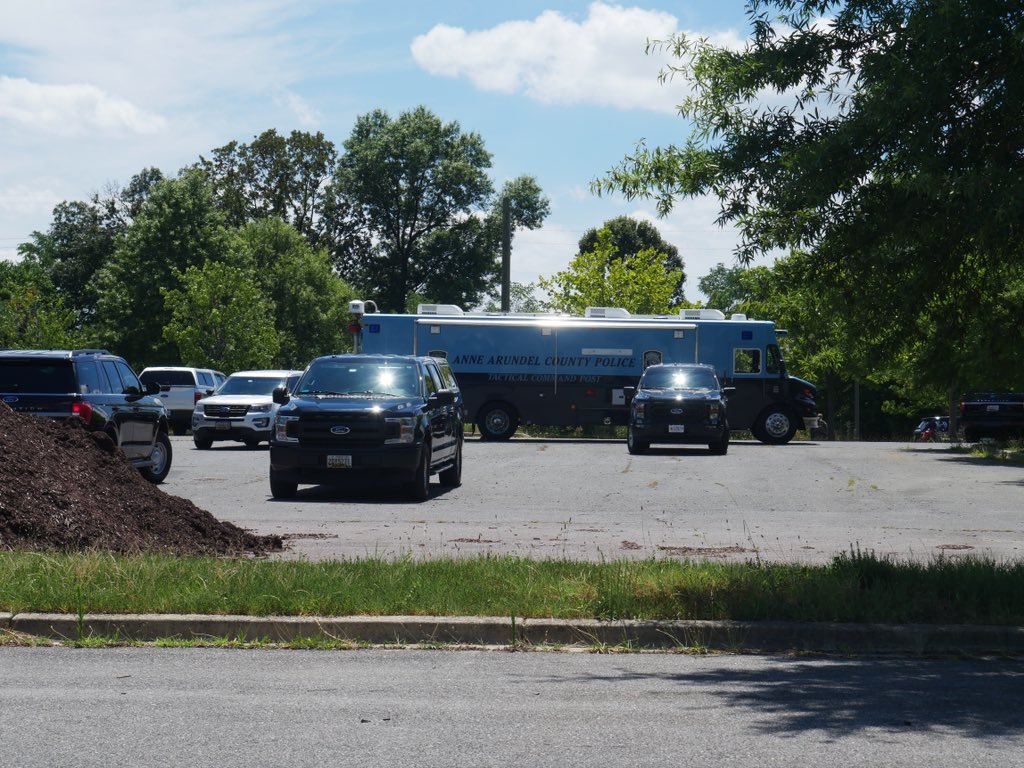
point(562, 370)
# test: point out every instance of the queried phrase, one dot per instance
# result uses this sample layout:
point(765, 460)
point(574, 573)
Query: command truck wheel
point(161, 458)
point(497, 421)
point(634, 445)
point(774, 426)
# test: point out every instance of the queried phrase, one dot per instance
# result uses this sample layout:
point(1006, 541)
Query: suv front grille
point(225, 411)
point(363, 429)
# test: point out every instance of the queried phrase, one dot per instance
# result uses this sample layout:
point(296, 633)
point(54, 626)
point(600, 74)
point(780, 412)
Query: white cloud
point(556, 60)
point(24, 199)
point(69, 110)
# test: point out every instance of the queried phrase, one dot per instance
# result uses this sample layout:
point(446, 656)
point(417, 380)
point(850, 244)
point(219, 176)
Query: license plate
point(224, 425)
point(991, 408)
point(339, 462)
point(677, 429)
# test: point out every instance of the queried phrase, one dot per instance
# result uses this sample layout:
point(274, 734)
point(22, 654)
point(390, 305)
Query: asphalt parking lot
point(591, 500)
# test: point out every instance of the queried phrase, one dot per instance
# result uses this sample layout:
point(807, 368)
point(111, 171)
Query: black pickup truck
point(388, 419)
point(999, 415)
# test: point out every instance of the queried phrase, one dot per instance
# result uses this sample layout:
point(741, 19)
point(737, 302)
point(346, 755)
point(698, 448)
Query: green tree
point(409, 180)
point(896, 155)
point(273, 177)
point(220, 318)
point(601, 278)
point(631, 236)
point(177, 227)
point(523, 298)
point(310, 301)
point(32, 314)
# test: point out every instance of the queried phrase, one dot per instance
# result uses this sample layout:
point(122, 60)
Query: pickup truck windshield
point(678, 378)
point(361, 379)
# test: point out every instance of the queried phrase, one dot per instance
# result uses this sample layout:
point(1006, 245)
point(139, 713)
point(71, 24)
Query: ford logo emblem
point(676, 411)
point(341, 430)
point(10, 399)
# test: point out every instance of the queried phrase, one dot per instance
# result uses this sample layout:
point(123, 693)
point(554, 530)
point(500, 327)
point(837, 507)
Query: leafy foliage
point(603, 278)
point(220, 318)
point(32, 313)
point(631, 236)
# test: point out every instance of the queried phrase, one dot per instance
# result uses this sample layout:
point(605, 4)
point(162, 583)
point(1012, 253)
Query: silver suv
point(242, 409)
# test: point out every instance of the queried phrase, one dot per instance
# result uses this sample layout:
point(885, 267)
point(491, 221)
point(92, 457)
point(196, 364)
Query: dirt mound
point(63, 488)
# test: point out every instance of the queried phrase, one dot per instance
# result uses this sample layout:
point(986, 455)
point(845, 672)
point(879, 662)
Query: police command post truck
point(560, 370)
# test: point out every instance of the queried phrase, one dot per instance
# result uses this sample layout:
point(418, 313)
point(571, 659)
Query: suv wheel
point(161, 458)
point(202, 443)
point(419, 487)
point(452, 477)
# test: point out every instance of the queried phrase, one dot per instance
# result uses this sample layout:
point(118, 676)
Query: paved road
point(224, 708)
point(592, 500)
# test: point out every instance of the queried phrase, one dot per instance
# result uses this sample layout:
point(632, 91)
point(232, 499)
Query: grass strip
point(852, 588)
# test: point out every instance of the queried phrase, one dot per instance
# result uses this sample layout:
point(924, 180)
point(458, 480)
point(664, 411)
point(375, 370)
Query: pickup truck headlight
point(281, 429)
point(639, 410)
point(405, 427)
point(713, 410)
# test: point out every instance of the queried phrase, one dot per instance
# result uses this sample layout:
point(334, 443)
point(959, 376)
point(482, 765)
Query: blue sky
point(92, 93)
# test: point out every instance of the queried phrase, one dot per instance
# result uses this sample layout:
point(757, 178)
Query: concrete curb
point(735, 636)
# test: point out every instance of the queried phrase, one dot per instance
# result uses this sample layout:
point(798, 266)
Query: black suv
point(382, 417)
point(97, 387)
point(678, 403)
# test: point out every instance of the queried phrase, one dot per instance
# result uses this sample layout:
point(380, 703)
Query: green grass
point(852, 588)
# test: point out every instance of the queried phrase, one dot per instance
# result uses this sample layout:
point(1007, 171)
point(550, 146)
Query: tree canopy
point(630, 236)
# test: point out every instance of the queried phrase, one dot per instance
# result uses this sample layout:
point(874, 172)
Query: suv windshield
point(678, 378)
point(49, 377)
point(339, 377)
point(250, 385)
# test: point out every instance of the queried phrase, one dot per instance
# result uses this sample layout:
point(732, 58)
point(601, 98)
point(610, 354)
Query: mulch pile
point(64, 488)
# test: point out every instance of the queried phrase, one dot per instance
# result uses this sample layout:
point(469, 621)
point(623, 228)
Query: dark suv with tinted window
point(98, 388)
point(385, 418)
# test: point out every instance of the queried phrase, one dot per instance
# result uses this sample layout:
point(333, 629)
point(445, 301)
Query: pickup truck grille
point(225, 411)
point(688, 411)
point(362, 429)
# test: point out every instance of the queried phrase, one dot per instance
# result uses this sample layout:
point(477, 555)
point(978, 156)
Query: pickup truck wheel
point(202, 443)
point(161, 457)
point(497, 421)
point(281, 488)
point(774, 426)
point(452, 477)
point(419, 487)
point(634, 445)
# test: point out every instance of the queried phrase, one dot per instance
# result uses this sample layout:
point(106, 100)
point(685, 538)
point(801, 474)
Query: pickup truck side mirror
point(441, 397)
point(280, 395)
point(629, 393)
point(728, 390)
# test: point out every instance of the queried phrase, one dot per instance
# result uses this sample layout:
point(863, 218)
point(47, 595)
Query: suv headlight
point(405, 427)
point(281, 429)
point(264, 408)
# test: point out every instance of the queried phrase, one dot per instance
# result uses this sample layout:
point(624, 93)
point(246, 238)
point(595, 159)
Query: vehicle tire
point(251, 442)
point(774, 426)
point(161, 457)
point(419, 486)
point(497, 421)
point(452, 477)
point(281, 488)
point(202, 443)
point(720, 448)
point(634, 445)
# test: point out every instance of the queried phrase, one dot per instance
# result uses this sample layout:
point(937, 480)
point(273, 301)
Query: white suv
point(242, 409)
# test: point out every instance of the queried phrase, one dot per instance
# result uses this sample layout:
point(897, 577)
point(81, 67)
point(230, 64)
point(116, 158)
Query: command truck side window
point(746, 361)
point(773, 361)
point(652, 357)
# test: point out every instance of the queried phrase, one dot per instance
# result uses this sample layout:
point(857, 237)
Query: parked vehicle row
point(241, 409)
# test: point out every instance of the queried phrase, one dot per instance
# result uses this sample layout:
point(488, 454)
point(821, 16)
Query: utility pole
point(506, 255)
